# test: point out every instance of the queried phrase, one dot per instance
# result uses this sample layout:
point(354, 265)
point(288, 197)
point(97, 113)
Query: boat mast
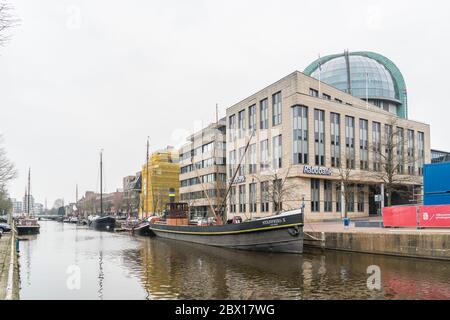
point(29, 189)
point(101, 182)
point(146, 180)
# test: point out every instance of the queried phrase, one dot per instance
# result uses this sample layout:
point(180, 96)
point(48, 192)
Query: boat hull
point(143, 229)
point(103, 224)
point(24, 230)
point(282, 234)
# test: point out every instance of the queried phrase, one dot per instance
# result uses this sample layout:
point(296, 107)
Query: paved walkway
point(5, 253)
point(338, 226)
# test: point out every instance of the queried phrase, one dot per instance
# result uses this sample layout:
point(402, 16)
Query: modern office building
point(38, 208)
point(366, 75)
point(439, 156)
point(17, 206)
point(162, 184)
point(203, 171)
point(308, 141)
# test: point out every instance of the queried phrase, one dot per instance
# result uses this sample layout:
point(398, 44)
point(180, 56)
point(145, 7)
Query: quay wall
point(403, 244)
point(9, 267)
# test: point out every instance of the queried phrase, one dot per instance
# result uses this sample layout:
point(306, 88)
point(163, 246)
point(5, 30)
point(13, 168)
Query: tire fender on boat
point(294, 231)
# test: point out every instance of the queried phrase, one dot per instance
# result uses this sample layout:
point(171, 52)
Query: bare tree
point(392, 165)
point(7, 170)
point(347, 178)
point(7, 21)
point(278, 188)
point(5, 202)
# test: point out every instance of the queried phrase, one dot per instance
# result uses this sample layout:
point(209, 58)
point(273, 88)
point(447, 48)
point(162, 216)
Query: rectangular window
point(350, 141)
point(411, 153)
point(252, 159)
point(338, 197)
point(264, 114)
point(401, 150)
point(264, 150)
point(421, 151)
point(252, 197)
point(265, 196)
point(241, 123)
point(277, 195)
point(315, 195)
point(350, 198)
point(335, 140)
point(376, 141)
point(233, 199)
point(252, 118)
point(319, 137)
point(361, 197)
point(313, 92)
point(232, 122)
point(277, 152)
point(388, 143)
point(328, 194)
point(232, 163)
point(276, 109)
point(363, 144)
point(242, 171)
point(337, 100)
point(242, 196)
point(326, 96)
point(300, 134)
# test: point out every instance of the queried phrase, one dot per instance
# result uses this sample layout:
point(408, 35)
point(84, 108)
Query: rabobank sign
point(321, 171)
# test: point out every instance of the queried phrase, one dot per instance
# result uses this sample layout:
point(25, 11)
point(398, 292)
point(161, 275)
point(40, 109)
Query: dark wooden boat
point(140, 228)
point(26, 226)
point(280, 233)
point(102, 223)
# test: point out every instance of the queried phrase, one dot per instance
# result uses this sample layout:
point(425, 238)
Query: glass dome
point(380, 81)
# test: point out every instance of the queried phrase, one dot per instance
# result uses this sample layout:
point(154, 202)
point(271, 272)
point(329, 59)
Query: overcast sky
point(79, 76)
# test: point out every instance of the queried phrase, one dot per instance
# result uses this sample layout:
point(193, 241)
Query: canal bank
point(9, 268)
point(401, 242)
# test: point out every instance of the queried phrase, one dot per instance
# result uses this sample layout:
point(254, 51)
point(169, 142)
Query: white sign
point(378, 198)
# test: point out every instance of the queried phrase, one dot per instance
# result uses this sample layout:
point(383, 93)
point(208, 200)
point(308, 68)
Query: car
point(4, 227)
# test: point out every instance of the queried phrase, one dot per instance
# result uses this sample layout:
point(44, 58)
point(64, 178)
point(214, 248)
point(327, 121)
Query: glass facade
point(363, 144)
point(264, 114)
point(350, 142)
point(421, 151)
point(300, 134)
point(264, 157)
point(276, 109)
point(376, 141)
point(411, 152)
point(252, 118)
point(315, 195)
point(277, 145)
point(319, 137)
point(363, 71)
point(335, 140)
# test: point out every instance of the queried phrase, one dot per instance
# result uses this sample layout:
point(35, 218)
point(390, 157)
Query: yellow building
point(163, 182)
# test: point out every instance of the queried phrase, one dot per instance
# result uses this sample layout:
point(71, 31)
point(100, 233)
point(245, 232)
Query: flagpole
point(367, 90)
point(320, 71)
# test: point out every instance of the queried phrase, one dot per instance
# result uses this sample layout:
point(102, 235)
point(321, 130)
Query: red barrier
point(435, 216)
point(405, 216)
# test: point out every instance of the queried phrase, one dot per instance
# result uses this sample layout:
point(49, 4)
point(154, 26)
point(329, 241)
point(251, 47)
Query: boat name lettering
point(274, 221)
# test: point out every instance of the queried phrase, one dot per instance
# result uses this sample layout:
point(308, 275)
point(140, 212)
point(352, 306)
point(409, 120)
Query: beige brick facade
point(295, 90)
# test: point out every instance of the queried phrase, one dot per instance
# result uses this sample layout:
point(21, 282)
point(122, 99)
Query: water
point(119, 266)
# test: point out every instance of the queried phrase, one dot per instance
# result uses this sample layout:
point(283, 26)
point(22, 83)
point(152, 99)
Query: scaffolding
point(164, 182)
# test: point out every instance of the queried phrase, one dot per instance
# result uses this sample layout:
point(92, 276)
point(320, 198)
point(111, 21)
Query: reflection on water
point(118, 266)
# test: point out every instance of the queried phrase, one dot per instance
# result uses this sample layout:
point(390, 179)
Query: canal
point(66, 261)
